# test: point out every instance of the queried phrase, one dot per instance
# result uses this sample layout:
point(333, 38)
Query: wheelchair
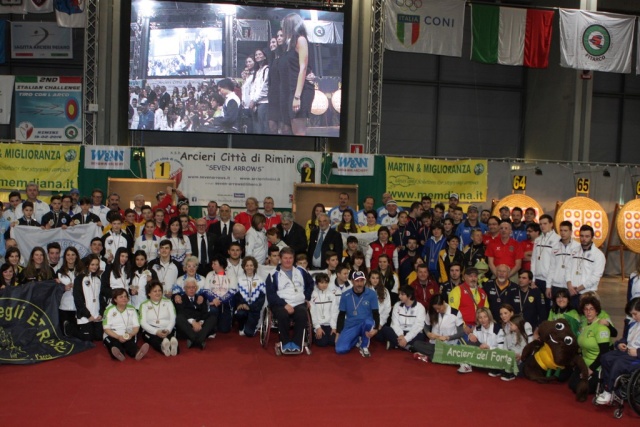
point(626, 389)
point(268, 324)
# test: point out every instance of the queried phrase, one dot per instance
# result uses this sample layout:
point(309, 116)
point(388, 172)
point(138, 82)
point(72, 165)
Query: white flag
point(71, 13)
point(6, 95)
point(78, 236)
point(596, 40)
point(434, 26)
point(17, 7)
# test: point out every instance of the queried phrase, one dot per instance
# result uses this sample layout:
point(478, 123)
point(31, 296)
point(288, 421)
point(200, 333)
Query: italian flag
point(511, 36)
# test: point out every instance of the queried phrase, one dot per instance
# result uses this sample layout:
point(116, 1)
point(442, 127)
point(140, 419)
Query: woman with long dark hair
point(318, 208)
point(275, 111)
point(37, 269)
point(71, 267)
point(297, 91)
point(181, 246)
point(89, 304)
point(259, 103)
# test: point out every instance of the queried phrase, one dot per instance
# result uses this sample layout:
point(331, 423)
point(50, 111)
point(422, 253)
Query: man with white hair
point(292, 233)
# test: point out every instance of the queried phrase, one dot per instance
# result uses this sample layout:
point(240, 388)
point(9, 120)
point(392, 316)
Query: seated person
point(120, 332)
point(322, 309)
point(407, 321)
point(288, 290)
point(250, 297)
point(219, 290)
point(193, 319)
point(158, 319)
point(443, 323)
point(625, 358)
point(357, 322)
point(485, 335)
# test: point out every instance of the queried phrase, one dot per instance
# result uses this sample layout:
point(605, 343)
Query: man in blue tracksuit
point(289, 289)
point(359, 318)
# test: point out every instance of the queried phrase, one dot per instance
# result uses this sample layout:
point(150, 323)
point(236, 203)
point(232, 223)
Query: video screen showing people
point(222, 68)
point(185, 52)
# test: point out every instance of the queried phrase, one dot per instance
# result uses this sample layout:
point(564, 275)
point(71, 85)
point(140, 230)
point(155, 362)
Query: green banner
point(491, 359)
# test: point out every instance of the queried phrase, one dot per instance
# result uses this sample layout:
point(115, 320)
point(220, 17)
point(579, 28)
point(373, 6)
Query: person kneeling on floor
point(358, 319)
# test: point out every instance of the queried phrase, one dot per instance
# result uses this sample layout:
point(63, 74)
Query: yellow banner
point(52, 167)
point(410, 179)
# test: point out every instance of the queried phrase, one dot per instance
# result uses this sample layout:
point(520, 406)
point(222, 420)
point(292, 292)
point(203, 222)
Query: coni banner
point(410, 179)
point(230, 176)
point(52, 167)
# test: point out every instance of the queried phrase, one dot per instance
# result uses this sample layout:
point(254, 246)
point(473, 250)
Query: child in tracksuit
point(322, 308)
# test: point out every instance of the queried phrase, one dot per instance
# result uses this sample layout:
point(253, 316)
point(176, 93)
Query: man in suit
point(292, 234)
point(210, 242)
point(237, 235)
point(224, 226)
point(330, 240)
point(193, 319)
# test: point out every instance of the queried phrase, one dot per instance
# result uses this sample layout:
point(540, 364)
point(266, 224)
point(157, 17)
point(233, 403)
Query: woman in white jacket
point(256, 239)
point(514, 335)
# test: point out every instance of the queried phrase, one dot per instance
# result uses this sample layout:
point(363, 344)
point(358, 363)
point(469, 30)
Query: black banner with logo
point(29, 330)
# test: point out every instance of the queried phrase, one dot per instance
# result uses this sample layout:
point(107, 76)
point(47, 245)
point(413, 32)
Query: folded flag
point(511, 36)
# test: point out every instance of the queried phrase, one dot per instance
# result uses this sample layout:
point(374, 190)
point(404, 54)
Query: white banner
point(107, 157)
point(596, 40)
point(17, 7)
point(78, 236)
point(230, 176)
point(30, 40)
point(6, 95)
point(434, 26)
point(350, 164)
point(321, 32)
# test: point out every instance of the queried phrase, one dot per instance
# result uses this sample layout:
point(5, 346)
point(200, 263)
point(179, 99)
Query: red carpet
point(235, 382)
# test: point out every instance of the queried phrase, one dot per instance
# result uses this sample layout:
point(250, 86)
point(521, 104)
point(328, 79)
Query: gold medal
point(126, 336)
point(94, 300)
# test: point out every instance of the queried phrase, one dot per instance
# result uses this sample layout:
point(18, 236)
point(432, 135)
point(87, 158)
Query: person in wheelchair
point(288, 292)
point(625, 358)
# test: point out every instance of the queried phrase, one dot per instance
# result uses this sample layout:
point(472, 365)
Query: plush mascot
point(557, 348)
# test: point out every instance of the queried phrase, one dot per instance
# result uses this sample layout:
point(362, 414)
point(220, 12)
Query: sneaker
point(464, 369)
point(494, 373)
point(603, 398)
point(117, 353)
point(359, 342)
point(241, 333)
point(421, 357)
point(174, 346)
point(212, 336)
point(389, 346)
point(364, 351)
point(143, 351)
point(166, 347)
point(508, 377)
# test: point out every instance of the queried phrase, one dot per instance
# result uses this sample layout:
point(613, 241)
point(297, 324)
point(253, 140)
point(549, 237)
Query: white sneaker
point(166, 347)
point(364, 351)
point(603, 398)
point(174, 346)
point(212, 336)
point(464, 369)
point(241, 332)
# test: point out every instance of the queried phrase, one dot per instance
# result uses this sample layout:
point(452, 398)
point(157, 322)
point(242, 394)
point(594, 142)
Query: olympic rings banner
point(410, 179)
point(48, 109)
point(52, 167)
point(230, 176)
point(425, 26)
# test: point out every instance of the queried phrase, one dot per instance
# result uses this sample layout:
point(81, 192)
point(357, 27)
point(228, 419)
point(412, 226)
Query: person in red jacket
point(424, 286)
point(379, 247)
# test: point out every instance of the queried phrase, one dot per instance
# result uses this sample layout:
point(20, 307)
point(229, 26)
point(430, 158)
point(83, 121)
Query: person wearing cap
point(358, 318)
point(146, 117)
point(335, 214)
point(463, 231)
point(468, 297)
point(382, 210)
point(505, 214)
point(390, 219)
point(454, 199)
point(75, 201)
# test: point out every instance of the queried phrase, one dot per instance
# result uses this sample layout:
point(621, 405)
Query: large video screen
point(224, 68)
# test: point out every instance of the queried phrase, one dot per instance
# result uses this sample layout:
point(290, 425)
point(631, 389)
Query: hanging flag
point(434, 26)
point(320, 32)
point(596, 40)
point(3, 42)
point(6, 95)
point(510, 36)
point(39, 6)
point(16, 7)
point(71, 13)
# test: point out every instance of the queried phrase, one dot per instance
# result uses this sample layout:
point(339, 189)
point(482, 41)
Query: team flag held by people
point(596, 41)
point(510, 36)
point(71, 13)
point(421, 26)
point(29, 331)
